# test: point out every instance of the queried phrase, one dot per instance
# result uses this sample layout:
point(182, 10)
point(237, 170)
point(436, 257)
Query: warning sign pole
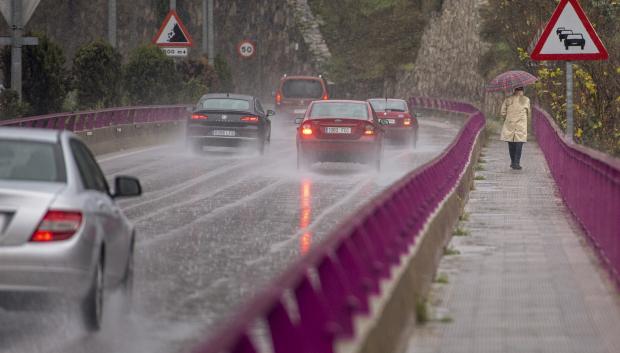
point(569, 101)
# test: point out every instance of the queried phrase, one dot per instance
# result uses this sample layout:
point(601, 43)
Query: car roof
point(228, 95)
point(339, 101)
point(300, 77)
point(388, 99)
point(30, 134)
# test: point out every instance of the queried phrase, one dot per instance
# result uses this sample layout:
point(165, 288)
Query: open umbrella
point(511, 80)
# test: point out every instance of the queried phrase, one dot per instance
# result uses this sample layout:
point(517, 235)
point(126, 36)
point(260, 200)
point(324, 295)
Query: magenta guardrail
point(91, 120)
point(316, 299)
point(589, 182)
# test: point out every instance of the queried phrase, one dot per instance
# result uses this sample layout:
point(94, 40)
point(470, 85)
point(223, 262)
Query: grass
point(482, 160)
point(421, 311)
point(480, 177)
point(446, 320)
point(464, 217)
point(449, 251)
point(480, 168)
point(460, 232)
point(442, 278)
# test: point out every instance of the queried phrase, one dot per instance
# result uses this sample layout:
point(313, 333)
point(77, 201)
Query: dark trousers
point(515, 148)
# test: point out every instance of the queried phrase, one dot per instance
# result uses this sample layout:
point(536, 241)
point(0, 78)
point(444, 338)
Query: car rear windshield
point(381, 105)
point(574, 36)
point(302, 89)
point(31, 161)
point(339, 110)
point(224, 104)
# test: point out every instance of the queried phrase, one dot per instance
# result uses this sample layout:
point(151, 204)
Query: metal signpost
point(172, 37)
point(17, 13)
point(569, 36)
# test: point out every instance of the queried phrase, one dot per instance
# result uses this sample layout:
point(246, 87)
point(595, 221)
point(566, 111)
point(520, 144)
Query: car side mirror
point(126, 186)
point(298, 120)
point(270, 112)
point(383, 122)
point(417, 115)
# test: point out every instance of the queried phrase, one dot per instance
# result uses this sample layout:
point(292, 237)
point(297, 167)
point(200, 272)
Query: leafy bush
point(45, 80)
point(197, 77)
point(150, 77)
point(97, 75)
point(223, 73)
point(10, 106)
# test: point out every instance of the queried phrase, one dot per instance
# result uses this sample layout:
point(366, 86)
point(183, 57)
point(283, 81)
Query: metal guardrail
point(314, 302)
point(91, 120)
point(589, 182)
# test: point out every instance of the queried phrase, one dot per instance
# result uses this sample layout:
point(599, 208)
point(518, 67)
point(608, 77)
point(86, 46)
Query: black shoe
point(518, 167)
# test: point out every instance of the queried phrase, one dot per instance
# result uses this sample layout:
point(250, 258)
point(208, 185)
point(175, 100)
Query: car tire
point(566, 46)
point(127, 284)
point(414, 139)
point(261, 146)
point(92, 306)
point(302, 160)
point(583, 46)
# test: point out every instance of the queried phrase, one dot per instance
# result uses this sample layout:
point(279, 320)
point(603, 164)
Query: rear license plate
point(299, 111)
point(391, 121)
point(338, 130)
point(227, 133)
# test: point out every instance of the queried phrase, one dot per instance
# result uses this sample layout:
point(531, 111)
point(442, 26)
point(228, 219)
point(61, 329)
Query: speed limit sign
point(246, 49)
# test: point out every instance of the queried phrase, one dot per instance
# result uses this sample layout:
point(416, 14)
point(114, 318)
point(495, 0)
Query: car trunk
point(22, 206)
point(394, 118)
point(339, 129)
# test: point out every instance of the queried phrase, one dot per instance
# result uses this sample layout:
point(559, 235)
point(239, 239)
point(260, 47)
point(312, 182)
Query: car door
point(108, 215)
point(261, 111)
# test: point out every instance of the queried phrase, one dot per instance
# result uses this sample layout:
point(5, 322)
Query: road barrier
point(111, 130)
point(317, 301)
point(589, 182)
point(97, 119)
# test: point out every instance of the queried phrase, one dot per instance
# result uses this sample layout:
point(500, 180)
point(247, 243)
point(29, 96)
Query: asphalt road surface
point(212, 229)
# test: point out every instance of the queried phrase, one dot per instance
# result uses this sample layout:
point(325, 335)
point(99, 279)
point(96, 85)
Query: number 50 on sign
point(246, 49)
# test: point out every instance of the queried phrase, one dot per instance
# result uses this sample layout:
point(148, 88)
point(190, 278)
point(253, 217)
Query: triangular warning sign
point(172, 32)
point(569, 35)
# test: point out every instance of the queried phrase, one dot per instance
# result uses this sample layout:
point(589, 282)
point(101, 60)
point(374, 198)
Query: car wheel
point(582, 47)
point(377, 163)
point(261, 146)
point(128, 279)
point(302, 162)
point(414, 139)
point(566, 46)
point(92, 307)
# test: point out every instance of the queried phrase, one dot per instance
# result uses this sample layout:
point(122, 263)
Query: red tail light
point(57, 225)
point(369, 130)
point(278, 97)
point(407, 122)
point(306, 130)
point(325, 97)
point(199, 117)
point(249, 118)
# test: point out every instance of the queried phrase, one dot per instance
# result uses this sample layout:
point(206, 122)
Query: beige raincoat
point(515, 110)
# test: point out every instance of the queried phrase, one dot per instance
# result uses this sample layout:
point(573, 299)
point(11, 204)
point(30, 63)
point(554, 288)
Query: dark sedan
point(575, 40)
point(229, 120)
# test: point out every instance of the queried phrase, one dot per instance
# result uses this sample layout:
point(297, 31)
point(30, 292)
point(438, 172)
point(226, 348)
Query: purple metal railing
point(333, 283)
point(90, 120)
point(589, 182)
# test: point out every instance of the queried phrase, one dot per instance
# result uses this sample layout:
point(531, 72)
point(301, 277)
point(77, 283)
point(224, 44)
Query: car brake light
point(278, 98)
point(57, 225)
point(199, 116)
point(407, 122)
point(306, 130)
point(369, 130)
point(325, 97)
point(249, 118)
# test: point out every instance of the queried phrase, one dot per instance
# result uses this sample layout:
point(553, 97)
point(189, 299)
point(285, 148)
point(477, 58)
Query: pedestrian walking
point(515, 110)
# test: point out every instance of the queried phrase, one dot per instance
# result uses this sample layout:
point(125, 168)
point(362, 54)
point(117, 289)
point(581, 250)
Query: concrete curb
point(411, 282)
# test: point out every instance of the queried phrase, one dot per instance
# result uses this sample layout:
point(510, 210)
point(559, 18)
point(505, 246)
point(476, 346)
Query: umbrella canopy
point(511, 80)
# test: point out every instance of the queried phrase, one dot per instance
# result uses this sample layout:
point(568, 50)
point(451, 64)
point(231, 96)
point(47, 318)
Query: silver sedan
point(60, 228)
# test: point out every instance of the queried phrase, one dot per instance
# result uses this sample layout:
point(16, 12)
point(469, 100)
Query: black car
point(564, 33)
point(575, 40)
point(559, 29)
point(222, 119)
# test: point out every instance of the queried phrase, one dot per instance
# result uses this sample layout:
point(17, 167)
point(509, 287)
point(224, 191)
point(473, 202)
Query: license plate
point(299, 111)
point(391, 121)
point(338, 130)
point(227, 133)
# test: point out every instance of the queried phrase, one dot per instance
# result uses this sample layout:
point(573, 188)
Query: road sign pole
point(211, 34)
point(569, 101)
point(16, 46)
point(173, 4)
point(205, 32)
point(112, 22)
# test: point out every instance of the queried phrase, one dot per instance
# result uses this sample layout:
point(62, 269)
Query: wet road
point(212, 229)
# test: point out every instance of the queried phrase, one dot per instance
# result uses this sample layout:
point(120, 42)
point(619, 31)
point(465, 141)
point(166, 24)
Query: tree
point(45, 80)
point(10, 106)
point(198, 78)
point(97, 75)
point(150, 77)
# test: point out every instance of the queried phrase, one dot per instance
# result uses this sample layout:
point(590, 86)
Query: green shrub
point(150, 77)
point(97, 75)
point(10, 106)
point(222, 68)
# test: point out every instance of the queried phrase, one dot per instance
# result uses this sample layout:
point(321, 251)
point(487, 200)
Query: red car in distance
point(400, 125)
point(339, 131)
point(294, 93)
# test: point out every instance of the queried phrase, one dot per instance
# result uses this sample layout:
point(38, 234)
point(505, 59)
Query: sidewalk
point(525, 279)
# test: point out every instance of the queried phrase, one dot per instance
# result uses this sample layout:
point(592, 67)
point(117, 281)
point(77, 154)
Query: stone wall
point(448, 59)
point(286, 33)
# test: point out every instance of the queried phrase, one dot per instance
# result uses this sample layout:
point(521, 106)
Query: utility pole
point(16, 46)
point(112, 22)
point(210, 32)
point(204, 41)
